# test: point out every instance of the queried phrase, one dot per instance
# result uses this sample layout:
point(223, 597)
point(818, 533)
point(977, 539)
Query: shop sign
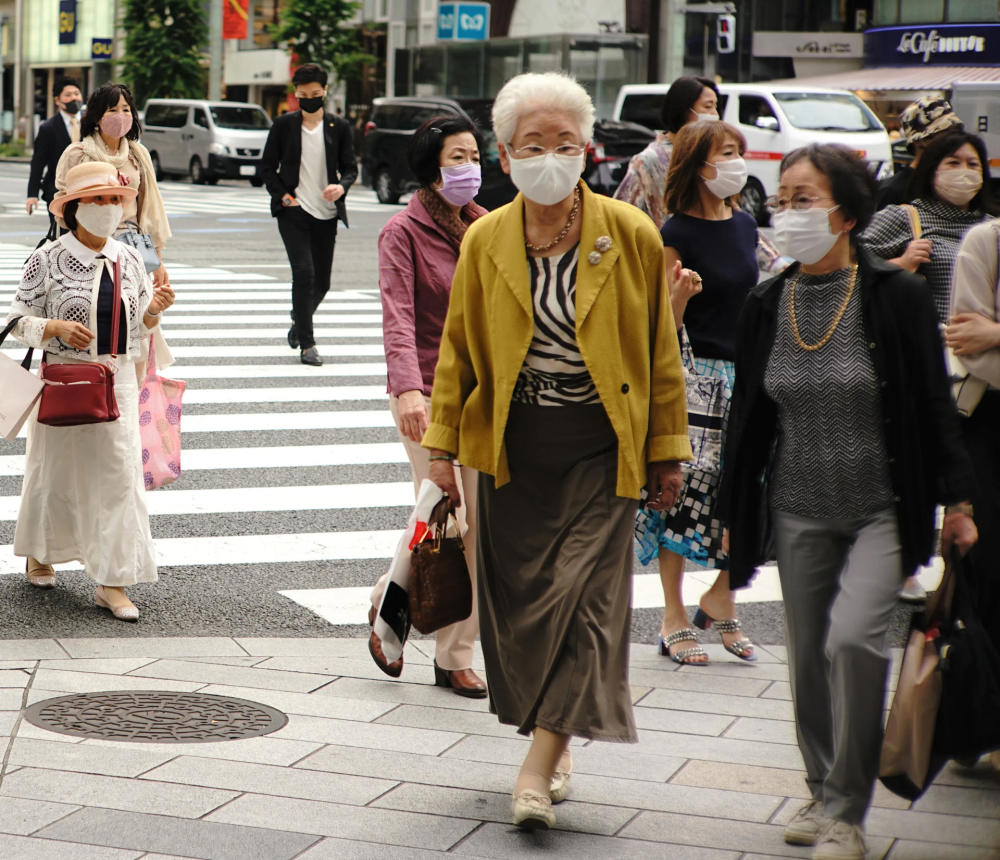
point(824, 46)
point(465, 22)
point(67, 22)
point(947, 44)
point(100, 49)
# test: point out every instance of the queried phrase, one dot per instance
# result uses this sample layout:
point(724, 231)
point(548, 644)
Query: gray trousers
point(840, 580)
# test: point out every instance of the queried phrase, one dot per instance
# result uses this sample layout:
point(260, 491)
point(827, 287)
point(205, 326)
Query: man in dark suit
point(54, 135)
point(308, 166)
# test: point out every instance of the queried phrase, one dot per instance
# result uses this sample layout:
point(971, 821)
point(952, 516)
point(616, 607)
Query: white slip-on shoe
point(841, 840)
point(806, 824)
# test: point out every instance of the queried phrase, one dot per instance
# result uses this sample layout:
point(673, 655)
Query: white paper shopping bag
point(19, 389)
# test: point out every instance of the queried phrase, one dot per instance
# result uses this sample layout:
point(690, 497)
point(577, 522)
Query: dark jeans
point(309, 244)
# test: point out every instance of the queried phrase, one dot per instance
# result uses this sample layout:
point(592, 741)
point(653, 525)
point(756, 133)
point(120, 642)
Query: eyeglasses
point(798, 202)
point(533, 149)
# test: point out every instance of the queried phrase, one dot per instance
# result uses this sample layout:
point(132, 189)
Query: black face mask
point(312, 105)
point(73, 107)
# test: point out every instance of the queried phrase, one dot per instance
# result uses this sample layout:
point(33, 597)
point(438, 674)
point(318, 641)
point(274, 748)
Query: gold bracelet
point(961, 508)
point(449, 457)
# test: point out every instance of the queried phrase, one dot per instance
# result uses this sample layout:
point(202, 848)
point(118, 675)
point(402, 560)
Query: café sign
point(948, 44)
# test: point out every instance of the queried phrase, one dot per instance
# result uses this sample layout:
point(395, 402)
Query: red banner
point(234, 19)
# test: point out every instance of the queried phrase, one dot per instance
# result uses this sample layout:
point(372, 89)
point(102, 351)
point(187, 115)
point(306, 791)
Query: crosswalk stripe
point(234, 333)
point(274, 371)
point(313, 394)
point(344, 350)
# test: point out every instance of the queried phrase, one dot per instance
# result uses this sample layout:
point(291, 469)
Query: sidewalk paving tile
point(351, 849)
point(982, 776)
point(24, 848)
point(227, 661)
point(11, 698)
point(698, 680)
point(932, 827)
point(22, 817)
point(14, 678)
point(907, 850)
point(263, 750)
point(301, 783)
point(347, 822)
point(718, 703)
point(166, 646)
point(205, 673)
point(359, 665)
point(503, 842)
point(83, 758)
point(400, 692)
point(952, 800)
point(129, 795)
point(109, 666)
point(92, 682)
point(738, 752)
point(352, 733)
point(307, 704)
point(29, 730)
point(329, 647)
point(778, 690)
point(683, 722)
point(205, 840)
point(8, 719)
point(446, 718)
point(763, 731)
point(31, 649)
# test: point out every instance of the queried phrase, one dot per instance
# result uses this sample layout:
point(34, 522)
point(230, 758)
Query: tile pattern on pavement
point(369, 767)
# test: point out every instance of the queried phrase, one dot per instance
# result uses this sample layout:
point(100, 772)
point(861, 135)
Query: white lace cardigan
point(61, 281)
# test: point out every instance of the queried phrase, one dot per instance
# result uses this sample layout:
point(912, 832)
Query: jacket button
point(885, 384)
point(624, 388)
point(871, 345)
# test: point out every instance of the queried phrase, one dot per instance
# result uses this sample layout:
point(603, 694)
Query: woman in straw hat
point(83, 497)
point(109, 133)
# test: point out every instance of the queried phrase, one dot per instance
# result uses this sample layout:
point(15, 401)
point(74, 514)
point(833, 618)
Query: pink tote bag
point(160, 425)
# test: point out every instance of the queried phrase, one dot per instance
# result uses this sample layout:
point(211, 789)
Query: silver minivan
point(206, 140)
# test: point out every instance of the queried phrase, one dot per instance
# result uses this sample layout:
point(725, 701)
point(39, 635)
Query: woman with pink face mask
point(417, 254)
point(109, 132)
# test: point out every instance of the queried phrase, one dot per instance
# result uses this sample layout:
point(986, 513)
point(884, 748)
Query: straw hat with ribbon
point(88, 180)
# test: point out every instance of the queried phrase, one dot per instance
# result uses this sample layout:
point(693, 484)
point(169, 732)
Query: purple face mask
point(116, 124)
point(460, 183)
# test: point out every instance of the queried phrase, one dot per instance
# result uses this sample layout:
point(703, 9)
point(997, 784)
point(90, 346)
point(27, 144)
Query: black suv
point(384, 164)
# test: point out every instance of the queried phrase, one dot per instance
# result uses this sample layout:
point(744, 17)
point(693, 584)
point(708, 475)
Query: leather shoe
point(464, 682)
point(394, 669)
point(532, 811)
point(293, 337)
point(311, 356)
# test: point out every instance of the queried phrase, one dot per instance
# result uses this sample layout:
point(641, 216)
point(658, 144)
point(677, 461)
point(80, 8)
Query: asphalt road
point(228, 227)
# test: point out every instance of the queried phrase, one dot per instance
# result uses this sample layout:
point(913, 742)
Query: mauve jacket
point(416, 262)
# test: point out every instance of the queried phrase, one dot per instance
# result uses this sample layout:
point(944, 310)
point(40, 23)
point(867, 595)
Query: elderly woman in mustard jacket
point(559, 379)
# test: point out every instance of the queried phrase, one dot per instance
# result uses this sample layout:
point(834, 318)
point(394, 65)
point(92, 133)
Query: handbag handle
point(437, 522)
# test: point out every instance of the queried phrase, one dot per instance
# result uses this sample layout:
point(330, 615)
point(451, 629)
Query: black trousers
point(309, 243)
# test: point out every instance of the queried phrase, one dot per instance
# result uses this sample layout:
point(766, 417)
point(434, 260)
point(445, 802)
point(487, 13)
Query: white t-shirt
point(312, 175)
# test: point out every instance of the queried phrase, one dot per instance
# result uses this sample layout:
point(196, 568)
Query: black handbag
point(143, 243)
point(439, 588)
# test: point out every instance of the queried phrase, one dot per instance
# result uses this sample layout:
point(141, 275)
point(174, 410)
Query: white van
point(978, 105)
point(206, 140)
point(775, 119)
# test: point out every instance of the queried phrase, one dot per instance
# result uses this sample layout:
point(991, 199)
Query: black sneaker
point(311, 356)
point(293, 337)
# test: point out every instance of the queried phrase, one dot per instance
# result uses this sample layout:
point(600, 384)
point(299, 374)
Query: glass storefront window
point(960, 11)
point(543, 55)
point(465, 64)
point(602, 68)
point(428, 71)
point(503, 61)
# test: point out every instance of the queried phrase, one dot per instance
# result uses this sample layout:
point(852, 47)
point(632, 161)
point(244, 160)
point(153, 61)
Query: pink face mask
point(460, 182)
point(116, 124)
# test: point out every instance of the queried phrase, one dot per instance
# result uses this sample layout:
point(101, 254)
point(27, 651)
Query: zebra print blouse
point(553, 373)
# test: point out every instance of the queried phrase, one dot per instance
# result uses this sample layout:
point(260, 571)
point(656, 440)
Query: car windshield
point(251, 118)
point(827, 112)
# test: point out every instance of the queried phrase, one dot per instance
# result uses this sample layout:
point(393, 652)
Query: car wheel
point(382, 184)
point(197, 171)
point(256, 182)
point(157, 170)
point(752, 201)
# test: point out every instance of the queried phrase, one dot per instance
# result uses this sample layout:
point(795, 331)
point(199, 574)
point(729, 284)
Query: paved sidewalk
point(367, 767)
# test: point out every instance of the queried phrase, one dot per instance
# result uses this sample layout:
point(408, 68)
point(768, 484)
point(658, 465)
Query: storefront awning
point(893, 79)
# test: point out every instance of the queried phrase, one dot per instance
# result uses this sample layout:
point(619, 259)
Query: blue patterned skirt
point(690, 528)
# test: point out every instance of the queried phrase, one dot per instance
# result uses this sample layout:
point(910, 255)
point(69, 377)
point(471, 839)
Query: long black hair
point(106, 97)
point(681, 98)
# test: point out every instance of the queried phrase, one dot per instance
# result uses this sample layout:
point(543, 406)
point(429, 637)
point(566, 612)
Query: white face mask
point(804, 234)
point(730, 177)
point(547, 179)
point(704, 117)
point(958, 185)
point(99, 219)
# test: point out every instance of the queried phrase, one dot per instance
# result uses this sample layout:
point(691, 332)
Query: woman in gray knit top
point(842, 439)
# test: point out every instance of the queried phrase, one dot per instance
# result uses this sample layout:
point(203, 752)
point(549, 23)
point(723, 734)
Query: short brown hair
point(692, 145)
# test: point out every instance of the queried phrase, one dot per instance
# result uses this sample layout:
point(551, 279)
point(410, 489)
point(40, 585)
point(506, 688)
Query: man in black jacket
point(54, 135)
point(308, 166)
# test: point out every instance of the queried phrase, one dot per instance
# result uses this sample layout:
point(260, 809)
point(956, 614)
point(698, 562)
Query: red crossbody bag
point(82, 393)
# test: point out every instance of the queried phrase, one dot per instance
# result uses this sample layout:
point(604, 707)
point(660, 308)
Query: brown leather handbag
point(82, 393)
point(440, 590)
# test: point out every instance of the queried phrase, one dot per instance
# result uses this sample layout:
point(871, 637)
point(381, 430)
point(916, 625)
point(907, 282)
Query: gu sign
point(463, 21)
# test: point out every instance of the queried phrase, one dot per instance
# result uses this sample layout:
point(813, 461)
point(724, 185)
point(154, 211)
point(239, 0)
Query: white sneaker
point(805, 826)
point(841, 840)
point(913, 591)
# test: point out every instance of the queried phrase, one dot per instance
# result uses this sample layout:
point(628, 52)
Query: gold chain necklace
point(812, 347)
point(562, 233)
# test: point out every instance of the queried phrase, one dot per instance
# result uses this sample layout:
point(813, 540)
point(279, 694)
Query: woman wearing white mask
point(109, 133)
point(83, 497)
point(950, 190)
point(417, 252)
point(559, 379)
point(842, 439)
point(709, 247)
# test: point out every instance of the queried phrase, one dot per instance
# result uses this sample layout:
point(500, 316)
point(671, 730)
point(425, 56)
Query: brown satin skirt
point(555, 577)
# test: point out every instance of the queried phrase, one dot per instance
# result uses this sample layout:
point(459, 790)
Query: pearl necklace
point(812, 347)
point(565, 230)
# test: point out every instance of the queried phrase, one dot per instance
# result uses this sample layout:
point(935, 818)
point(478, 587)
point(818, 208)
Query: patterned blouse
point(62, 281)
point(554, 373)
point(890, 231)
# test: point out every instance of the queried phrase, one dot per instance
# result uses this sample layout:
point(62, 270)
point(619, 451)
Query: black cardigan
point(279, 164)
point(928, 464)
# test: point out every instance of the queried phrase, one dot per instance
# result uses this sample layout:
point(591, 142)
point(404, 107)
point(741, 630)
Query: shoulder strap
point(914, 217)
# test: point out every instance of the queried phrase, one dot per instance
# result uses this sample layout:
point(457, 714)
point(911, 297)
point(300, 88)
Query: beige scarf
point(152, 214)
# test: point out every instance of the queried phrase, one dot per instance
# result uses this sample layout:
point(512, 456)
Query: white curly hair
point(547, 91)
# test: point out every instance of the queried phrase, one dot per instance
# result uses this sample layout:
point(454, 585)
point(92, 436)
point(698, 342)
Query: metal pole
point(3, 26)
point(215, 50)
point(18, 25)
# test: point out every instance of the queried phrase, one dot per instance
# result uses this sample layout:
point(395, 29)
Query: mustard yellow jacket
point(624, 328)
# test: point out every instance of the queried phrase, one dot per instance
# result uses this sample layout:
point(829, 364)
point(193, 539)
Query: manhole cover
point(152, 716)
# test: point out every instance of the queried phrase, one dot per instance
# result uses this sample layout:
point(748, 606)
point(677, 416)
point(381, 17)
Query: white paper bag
point(19, 390)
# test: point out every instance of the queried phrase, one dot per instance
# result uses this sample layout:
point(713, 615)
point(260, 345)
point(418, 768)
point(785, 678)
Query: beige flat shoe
point(532, 811)
point(122, 611)
point(39, 575)
point(559, 786)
